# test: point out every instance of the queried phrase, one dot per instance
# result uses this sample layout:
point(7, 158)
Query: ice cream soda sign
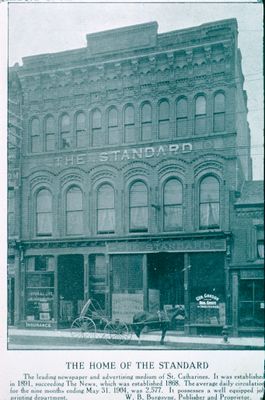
point(207, 301)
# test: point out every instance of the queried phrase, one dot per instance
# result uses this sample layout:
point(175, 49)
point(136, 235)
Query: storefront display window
point(39, 290)
point(251, 303)
point(207, 294)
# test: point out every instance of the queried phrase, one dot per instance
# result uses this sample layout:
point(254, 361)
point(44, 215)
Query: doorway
point(70, 288)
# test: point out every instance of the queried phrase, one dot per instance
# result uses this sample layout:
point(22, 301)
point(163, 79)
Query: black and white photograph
point(135, 199)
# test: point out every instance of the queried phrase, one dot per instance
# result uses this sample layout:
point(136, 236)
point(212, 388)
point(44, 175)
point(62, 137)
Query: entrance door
point(70, 287)
point(166, 279)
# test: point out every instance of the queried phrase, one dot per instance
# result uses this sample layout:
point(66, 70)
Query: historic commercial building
point(134, 152)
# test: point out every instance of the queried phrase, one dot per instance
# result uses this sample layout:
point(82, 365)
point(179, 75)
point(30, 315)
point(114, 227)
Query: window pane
point(146, 131)
point(106, 197)
point(113, 135)
point(129, 115)
point(182, 126)
point(172, 217)
point(146, 113)
point(81, 139)
point(74, 222)
point(209, 215)
point(74, 199)
point(97, 137)
point(259, 290)
point(219, 122)
point(35, 144)
point(200, 124)
point(182, 108)
point(209, 189)
point(139, 218)
point(113, 117)
point(219, 103)
point(44, 223)
point(65, 140)
point(173, 192)
point(106, 220)
point(164, 110)
point(35, 127)
point(65, 123)
point(260, 245)
point(50, 125)
point(138, 194)
point(129, 133)
point(163, 129)
point(200, 105)
point(50, 142)
point(96, 119)
point(81, 122)
point(44, 201)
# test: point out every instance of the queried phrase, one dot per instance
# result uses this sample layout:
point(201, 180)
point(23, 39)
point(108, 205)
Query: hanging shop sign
point(207, 300)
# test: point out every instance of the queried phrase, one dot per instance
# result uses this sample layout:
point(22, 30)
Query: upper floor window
point(172, 205)
point(97, 134)
point(129, 124)
point(35, 135)
point(11, 212)
point(138, 207)
point(163, 120)
point(105, 209)
point(113, 130)
point(209, 203)
point(200, 115)
point(260, 242)
point(74, 211)
point(49, 134)
point(219, 113)
point(44, 212)
point(65, 139)
point(146, 122)
point(182, 117)
point(80, 130)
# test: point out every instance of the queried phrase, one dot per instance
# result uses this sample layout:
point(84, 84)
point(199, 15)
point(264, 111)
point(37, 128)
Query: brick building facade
point(133, 150)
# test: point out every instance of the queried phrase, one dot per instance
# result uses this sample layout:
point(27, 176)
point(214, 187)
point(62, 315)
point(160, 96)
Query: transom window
point(163, 121)
point(172, 205)
point(138, 207)
point(65, 140)
point(146, 121)
point(44, 212)
point(74, 211)
point(80, 130)
point(105, 209)
point(49, 134)
point(219, 113)
point(35, 135)
point(200, 115)
point(113, 129)
point(209, 203)
point(129, 124)
point(182, 117)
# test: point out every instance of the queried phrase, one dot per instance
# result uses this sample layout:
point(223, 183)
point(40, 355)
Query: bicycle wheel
point(83, 328)
point(117, 332)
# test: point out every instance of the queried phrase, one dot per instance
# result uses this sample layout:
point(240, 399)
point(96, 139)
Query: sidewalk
point(172, 339)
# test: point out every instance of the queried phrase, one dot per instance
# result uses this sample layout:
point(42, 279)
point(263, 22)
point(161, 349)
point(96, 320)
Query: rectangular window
point(74, 222)
point(127, 273)
point(146, 131)
point(80, 138)
point(172, 217)
point(129, 133)
point(44, 223)
point(182, 126)
point(50, 142)
point(251, 302)
point(200, 124)
point(98, 279)
point(164, 129)
point(113, 135)
point(139, 218)
point(209, 215)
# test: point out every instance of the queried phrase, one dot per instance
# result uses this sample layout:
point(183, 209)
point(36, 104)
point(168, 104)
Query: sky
point(36, 28)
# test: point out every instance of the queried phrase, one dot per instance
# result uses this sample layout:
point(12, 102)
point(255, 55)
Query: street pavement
point(62, 339)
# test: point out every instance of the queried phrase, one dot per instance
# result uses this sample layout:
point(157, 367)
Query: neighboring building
point(133, 150)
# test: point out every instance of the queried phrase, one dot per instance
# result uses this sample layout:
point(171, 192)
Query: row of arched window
point(128, 132)
point(209, 207)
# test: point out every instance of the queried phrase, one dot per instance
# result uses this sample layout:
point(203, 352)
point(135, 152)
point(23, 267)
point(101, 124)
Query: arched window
point(200, 115)
point(129, 125)
point(74, 211)
point(65, 140)
point(209, 203)
point(80, 130)
point(97, 134)
point(113, 130)
point(172, 205)
point(35, 135)
point(49, 134)
point(138, 207)
point(105, 209)
point(44, 212)
point(182, 117)
point(219, 113)
point(146, 122)
point(163, 120)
